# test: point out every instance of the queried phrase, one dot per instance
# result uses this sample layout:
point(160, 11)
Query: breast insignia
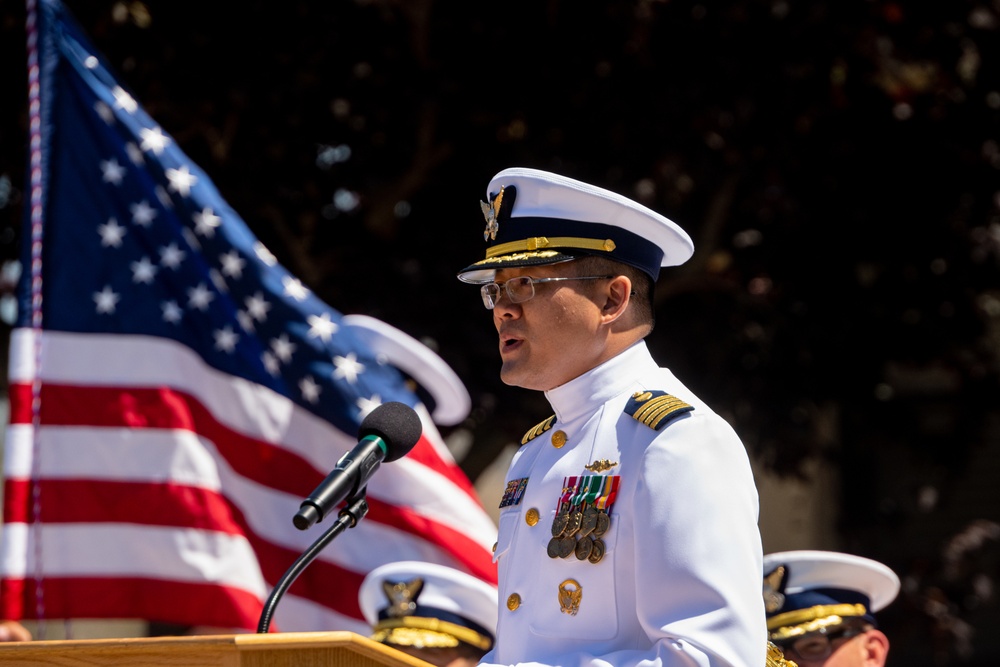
point(570, 595)
point(538, 429)
point(656, 409)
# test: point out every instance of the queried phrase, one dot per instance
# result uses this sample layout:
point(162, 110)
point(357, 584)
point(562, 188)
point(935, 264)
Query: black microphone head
point(397, 424)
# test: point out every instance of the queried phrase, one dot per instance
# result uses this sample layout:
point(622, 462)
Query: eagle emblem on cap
point(774, 589)
point(491, 212)
point(402, 596)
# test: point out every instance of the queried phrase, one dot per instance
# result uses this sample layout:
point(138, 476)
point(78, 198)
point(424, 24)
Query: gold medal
point(584, 547)
point(596, 551)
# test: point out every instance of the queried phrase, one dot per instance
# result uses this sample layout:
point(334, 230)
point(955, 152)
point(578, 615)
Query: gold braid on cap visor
point(539, 242)
point(802, 621)
point(434, 625)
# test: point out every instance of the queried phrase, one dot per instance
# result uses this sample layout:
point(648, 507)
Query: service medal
point(589, 521)
point(596, 552)
point(559, 524)
point(584, 547)
point(553, 548)
point(567, 545)
point(603, 522)
point(575, 519)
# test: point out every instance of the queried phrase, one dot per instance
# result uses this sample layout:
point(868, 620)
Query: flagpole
point(37, 204)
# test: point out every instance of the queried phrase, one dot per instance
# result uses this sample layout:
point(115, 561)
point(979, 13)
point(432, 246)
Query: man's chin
point(512, 373)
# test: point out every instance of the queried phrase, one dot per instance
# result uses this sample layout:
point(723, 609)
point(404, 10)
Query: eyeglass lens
point(819, 646)
point(518, 290)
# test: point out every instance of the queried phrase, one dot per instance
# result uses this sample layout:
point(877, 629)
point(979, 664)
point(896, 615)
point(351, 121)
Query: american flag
point(175, 392)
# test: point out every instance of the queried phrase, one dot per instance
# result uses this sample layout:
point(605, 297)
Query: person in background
point(433, 612)
point(628, 527)
point(821, 607)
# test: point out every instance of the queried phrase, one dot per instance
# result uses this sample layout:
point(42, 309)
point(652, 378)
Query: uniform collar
point(581, 395)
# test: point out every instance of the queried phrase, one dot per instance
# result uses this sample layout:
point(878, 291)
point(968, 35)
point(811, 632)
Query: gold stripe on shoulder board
point(656, 409)
point(538, 429)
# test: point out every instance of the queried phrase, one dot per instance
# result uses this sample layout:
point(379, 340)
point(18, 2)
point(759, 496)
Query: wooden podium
point(290, 649)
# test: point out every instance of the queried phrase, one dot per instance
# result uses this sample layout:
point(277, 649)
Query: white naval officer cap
point(449, 401)
point(426, 605)
point(806, 591)
point(535, 217)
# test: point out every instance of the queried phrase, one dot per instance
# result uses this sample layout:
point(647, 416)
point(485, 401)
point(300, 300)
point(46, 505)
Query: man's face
point(553, 337)
point(862, 649)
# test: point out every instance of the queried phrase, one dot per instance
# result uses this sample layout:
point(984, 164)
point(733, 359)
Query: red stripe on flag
point(101, 597)
point(175, 505)
point(165, 408)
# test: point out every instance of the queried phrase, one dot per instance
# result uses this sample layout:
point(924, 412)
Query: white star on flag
point(310, 390)
point(366, 405)
point(153, 140)
point(321, 327)
point(294, 288)
point(143, 271)
point(105, 112)
point(271, 363)
point(112, 172)
point(232, 264)
point(172, 313)
point(283, 348)
point(181, 180)
point(347, 367)
point(106, 300)
point(171, 256)
point(205, 222)
point(225, 339)
point(134, 154)
point(123, 100)
point(111, 233)
point(199, 297)
point(142, 213)
point(257, 306)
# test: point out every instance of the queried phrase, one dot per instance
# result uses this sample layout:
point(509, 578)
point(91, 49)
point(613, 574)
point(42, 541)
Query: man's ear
point(876, 648)
point(617, 296)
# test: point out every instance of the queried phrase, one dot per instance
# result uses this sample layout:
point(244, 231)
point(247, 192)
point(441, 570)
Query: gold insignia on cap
point(402, 596)
point(774, 585)
point(491, 212)
point(776, 657)
point(803, 621)
point(601, 465)
point(570, 594)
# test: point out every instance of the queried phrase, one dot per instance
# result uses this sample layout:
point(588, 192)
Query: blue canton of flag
point(167, 256)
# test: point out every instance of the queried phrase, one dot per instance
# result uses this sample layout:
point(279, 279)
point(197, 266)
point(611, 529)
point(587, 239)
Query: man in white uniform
point(821, 607)
point(628, 527)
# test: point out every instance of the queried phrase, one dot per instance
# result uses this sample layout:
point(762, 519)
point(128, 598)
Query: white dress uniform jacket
point(679, 582)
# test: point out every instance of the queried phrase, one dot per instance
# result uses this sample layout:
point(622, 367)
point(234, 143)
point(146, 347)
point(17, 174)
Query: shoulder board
point(656, 409)
point(538, 429)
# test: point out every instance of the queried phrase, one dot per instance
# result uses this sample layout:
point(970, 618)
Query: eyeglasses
point(522, 288)
point(817, 646)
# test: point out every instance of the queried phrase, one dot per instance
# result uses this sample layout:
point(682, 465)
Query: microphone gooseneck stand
point(356, 509)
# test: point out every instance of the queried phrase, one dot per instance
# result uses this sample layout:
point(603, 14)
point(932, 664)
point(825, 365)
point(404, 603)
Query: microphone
point(388, 433)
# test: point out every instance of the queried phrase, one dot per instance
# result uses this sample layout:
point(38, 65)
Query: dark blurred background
point(836, 163)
